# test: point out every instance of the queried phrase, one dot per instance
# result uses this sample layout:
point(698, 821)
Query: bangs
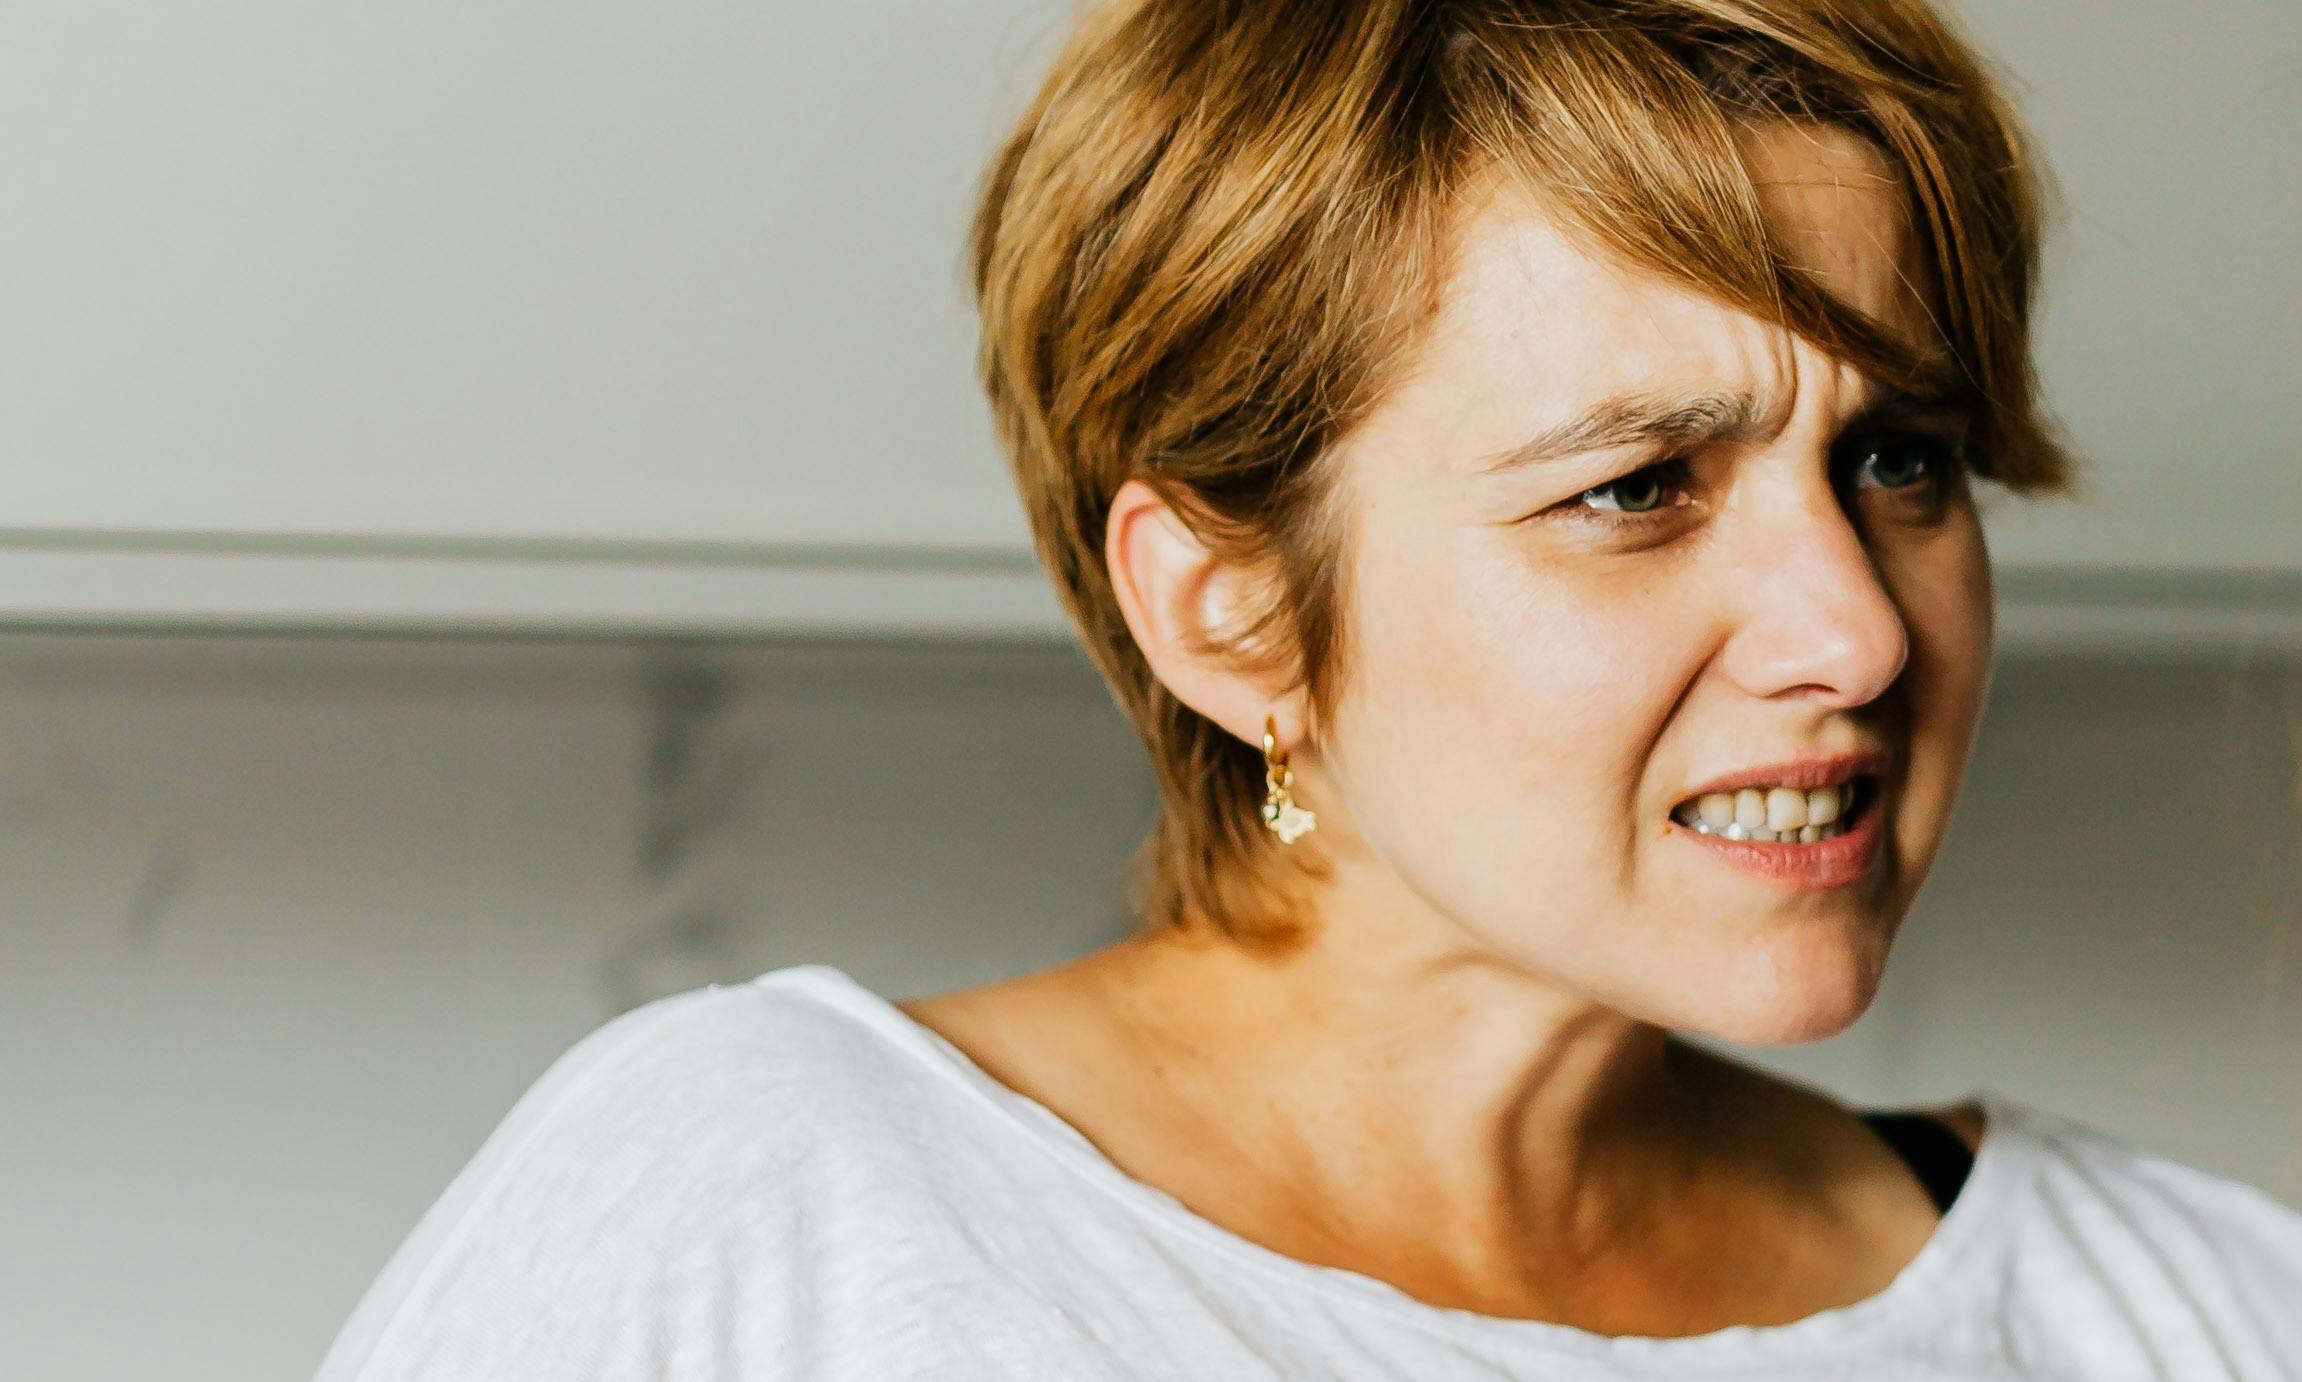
point(1631, 135)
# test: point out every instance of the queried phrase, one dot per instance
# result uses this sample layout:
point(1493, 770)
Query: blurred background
point(500, 526)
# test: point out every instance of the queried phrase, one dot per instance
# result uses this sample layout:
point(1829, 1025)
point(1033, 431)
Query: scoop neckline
point(1952, 1270)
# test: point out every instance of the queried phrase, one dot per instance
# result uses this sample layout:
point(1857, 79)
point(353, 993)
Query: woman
point(1515, 461)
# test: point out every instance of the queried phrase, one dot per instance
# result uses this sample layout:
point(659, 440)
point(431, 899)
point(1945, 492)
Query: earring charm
point(1286, 820)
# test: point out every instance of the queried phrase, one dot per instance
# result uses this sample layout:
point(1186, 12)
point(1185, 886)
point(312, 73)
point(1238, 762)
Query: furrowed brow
point(1681, 422)
point(1678, 421)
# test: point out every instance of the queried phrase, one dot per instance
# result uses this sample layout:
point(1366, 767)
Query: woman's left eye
point(1901, 461)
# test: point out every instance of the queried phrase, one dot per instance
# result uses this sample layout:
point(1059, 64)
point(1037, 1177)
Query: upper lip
point(1797, 772)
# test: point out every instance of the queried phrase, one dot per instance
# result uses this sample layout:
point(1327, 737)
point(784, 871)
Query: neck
point(1393, 1072)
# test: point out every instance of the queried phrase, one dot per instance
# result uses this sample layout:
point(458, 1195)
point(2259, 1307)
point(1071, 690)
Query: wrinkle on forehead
point(1519, 272)
point(1537, 324)
point(1843, 218)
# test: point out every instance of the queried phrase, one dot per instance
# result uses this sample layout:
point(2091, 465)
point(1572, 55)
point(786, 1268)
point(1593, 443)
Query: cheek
point(1488, 642)
point(1505, 711)
point(1945, 593)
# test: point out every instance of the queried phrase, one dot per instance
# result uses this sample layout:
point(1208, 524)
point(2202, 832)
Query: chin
point(1777, 997)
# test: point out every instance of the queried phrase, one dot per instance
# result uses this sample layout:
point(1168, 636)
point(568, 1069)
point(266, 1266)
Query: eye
point(1644, 490)
point(1906, 461)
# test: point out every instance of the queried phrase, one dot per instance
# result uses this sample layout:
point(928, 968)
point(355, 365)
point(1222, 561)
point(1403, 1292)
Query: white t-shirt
point(792, 1179)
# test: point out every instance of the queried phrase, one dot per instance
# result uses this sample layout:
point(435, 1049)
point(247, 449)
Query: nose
point(1816, 618)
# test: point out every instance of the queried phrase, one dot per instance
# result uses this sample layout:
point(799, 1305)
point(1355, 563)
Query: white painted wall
point(583, 269)
point(2171, 330)
point(690, 271)
point(291, 925)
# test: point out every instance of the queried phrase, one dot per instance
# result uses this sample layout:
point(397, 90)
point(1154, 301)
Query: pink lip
point(1831, 863)
point(1802, 772)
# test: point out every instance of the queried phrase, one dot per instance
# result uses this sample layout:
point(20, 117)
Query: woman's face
point(1549, 655)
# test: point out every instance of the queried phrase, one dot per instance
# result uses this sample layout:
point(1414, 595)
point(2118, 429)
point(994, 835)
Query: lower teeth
point(1804, 835)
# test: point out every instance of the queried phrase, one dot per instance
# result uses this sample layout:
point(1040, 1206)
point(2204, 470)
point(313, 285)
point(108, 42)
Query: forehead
point(1524, 293)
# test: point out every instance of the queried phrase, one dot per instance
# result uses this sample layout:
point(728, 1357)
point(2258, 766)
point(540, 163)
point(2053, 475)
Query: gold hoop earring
point(1286, 820)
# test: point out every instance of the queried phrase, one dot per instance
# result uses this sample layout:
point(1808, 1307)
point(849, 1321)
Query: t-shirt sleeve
point(635, 1192)
point(2161, 1258)
point(2239, 1257)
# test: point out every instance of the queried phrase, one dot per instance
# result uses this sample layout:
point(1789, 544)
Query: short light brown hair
point(1222, 225)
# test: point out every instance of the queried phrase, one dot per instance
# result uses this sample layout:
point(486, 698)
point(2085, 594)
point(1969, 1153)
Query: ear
point(1174, 592)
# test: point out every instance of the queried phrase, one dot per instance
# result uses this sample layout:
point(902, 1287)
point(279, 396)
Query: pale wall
point(293, 924)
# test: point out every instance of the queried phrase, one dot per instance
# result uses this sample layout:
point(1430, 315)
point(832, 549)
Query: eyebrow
point(1681, 421)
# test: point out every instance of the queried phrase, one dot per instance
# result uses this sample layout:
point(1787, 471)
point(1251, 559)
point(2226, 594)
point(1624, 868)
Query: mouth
point(1782, 815)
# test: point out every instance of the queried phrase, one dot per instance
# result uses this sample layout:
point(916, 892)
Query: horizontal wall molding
point(609, 551)
point(295, 582)
point(71, 581)
point(2124, 611)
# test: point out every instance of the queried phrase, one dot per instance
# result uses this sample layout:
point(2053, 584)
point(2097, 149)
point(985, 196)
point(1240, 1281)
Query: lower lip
point(1831, 863)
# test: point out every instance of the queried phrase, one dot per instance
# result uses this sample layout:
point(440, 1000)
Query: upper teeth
point(1767, 808)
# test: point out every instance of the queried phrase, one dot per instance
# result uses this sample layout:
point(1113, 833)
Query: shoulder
point(695, 1140)
point(2159, 1234)
point(717, 1080)
point(738, 1081)
point(2114, 1166)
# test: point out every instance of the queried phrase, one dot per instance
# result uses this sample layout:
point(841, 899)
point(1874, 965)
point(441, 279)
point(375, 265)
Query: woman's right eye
point(1647, 490)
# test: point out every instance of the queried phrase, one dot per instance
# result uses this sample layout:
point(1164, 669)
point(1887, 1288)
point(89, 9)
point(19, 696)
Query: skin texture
point(1466, 1082)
